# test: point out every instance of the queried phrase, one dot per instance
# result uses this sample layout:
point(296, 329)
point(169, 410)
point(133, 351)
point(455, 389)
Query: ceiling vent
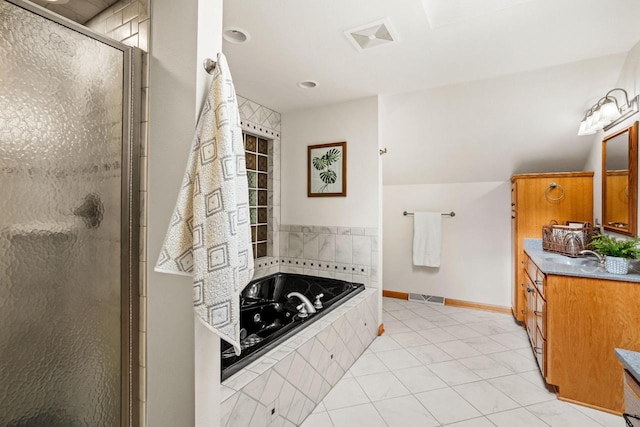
point(372, 35)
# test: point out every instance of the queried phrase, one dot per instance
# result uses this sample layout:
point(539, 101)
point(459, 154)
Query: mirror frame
point(632, 145)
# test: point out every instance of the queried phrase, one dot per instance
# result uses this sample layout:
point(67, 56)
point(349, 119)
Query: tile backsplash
point(126, 21)
point(346, 253)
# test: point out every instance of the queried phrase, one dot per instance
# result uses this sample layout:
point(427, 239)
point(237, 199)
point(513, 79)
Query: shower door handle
point(91, 210)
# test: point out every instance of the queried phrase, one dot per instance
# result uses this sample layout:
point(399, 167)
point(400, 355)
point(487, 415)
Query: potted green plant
point(617, 253)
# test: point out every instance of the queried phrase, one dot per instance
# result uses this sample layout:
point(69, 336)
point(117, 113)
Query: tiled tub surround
point(265, 266)
point(345, 253)
point(283, 387)
point(268, 316)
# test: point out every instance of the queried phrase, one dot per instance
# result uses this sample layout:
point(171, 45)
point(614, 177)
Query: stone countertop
point(631, 361)
point(554, 263)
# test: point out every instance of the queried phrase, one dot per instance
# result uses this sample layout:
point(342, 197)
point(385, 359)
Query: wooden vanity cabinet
point(574, 326)
point(631, 397)
point(533, 205)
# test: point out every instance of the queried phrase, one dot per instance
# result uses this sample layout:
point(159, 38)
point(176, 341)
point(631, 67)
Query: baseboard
point(394, 294)
point(599, 408)
point(381, 329)
point(453, 302)
point(477, 306)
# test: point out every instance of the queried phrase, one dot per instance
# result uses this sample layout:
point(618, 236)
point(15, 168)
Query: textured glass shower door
point(66, 232)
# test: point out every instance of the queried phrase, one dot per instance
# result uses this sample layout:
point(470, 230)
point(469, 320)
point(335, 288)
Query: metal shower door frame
point(130, 210)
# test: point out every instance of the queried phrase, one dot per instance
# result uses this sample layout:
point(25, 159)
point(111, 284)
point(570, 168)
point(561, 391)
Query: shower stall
point(69, 131)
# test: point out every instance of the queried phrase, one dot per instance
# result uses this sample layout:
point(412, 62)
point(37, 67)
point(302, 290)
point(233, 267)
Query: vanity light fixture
point(607, 112)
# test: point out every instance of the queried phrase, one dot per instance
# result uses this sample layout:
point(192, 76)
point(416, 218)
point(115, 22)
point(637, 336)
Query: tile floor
point(448, 366)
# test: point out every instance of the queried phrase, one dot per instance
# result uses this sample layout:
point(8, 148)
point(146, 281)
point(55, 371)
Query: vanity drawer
point(541, 315)
point(540, 351)
point(532, 269)
point(530, 308)
point(631, 404)
point(537, 277)
point(630, 381)
point(631, 397)
point(539, 281)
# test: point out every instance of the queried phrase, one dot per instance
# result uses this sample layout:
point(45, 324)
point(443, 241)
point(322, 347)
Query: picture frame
point(327, 170)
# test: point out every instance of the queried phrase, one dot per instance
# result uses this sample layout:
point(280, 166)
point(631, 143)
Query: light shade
point(583, 130)
point(608, 112)
point(595, 121)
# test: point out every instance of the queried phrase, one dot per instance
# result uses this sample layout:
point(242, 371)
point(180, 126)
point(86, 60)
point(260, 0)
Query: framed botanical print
point(327, 170)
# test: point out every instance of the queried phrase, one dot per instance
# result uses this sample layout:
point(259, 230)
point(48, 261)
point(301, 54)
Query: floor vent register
point(429, 299)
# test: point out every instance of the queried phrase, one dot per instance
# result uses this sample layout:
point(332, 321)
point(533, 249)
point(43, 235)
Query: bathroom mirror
point(620, 181)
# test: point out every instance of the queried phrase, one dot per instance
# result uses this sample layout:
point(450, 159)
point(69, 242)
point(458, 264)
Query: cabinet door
point(541, 315)
point(530, 317)
point(539, 282)
point(540, 350)
point(534, 195)
point(517, 302)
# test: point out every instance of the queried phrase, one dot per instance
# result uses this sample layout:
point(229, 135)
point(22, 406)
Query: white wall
point(476, 262)
point(355, 122)
point(178, 41)
point(487, 130)
point(456, 147)
point(628, 80)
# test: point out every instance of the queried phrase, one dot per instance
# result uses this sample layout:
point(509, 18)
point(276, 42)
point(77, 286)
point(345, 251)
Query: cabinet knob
point(524, 261)
point(538, 350)
point(513, 217)
point(537, 313)
point(529, 289)
point(538, 282)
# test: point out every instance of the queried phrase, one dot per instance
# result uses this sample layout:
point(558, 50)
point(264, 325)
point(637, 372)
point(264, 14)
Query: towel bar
point(451, 214)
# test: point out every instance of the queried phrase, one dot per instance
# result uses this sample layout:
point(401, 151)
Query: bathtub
point(267, 317)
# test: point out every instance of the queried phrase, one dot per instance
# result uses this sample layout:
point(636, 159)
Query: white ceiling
point(294, 40)
point(77, 10)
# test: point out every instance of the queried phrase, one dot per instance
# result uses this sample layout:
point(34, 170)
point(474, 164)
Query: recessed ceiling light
point(58, 1)
point(236, 35)
point(308, 84)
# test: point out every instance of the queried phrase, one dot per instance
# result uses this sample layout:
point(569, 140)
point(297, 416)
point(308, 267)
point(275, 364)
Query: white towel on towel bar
point(427, 238)
point(209, 235)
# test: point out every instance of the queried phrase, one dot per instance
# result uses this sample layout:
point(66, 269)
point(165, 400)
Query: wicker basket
point(567, 240)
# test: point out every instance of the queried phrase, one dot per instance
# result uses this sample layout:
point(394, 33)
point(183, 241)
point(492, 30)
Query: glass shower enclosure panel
point(64, 179)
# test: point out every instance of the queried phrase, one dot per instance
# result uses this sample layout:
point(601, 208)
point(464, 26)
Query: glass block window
point(257, 157)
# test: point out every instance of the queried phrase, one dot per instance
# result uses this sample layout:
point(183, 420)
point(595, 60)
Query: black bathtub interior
point(268, 317)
